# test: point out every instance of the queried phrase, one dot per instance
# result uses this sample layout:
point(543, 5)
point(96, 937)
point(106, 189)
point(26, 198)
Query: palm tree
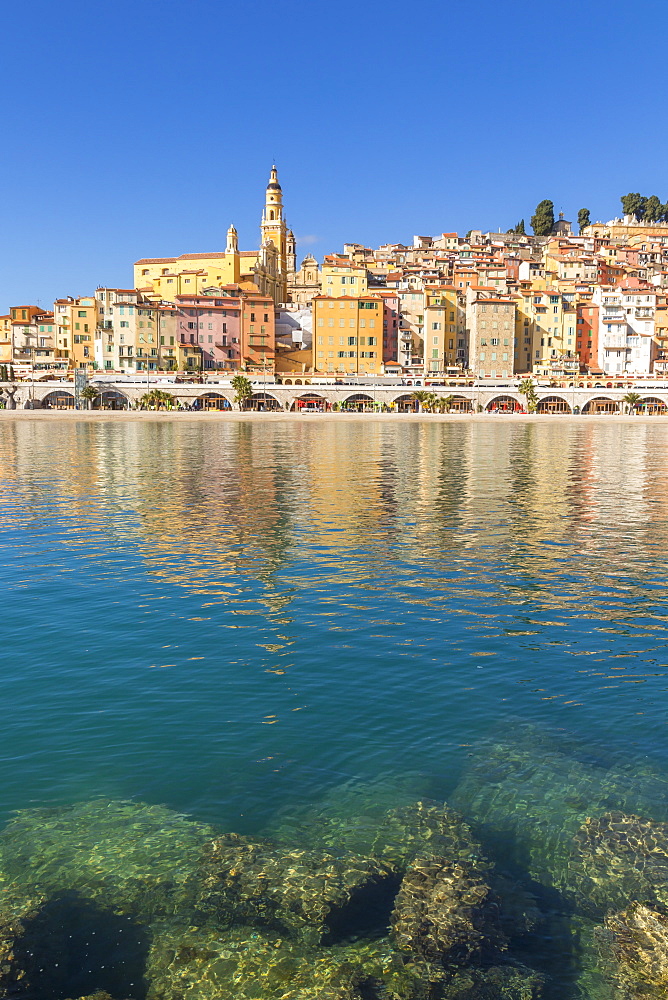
point(527, 388)
point(422, 398)
point(157, 399)
point(243, 388)
point(444, 403)
point(632, 399)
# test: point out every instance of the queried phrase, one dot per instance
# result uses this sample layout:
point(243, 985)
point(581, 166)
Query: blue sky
point(143, 128)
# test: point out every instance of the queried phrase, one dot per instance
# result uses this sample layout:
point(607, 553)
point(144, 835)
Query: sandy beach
point(315, 418)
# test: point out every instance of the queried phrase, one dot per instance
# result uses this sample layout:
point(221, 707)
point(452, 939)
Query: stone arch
point(261, 401)
point(59, 399)
point(600, 404)
point(213, 401)
point(553, 404)
point(360, 401)
point(651, 405)
point(504, 404)
point(111, 399)
point(310, 401)
point(405, 403)
point(461, 404)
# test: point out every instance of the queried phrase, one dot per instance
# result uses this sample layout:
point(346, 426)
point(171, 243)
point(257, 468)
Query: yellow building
point(75, 321)
point(5, 340)
point(347, 334)
point(441, 322)
point(340, 276)
point(163, 278)
point(545, 332)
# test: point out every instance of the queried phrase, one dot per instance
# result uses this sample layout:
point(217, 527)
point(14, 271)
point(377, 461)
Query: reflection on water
point(350, 710)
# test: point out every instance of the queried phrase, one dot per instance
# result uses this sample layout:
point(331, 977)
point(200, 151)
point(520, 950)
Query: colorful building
point(348, 334)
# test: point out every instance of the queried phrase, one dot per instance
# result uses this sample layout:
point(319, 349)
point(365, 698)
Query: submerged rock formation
point(445, 914)
point(135, 858)
point(307, 893)
point(125, 900)
point(531, 797)
point(618, 858)
point(635, 942)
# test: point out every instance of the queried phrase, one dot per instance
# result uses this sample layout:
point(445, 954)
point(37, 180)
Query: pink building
point(214, 324)
point(390, 324)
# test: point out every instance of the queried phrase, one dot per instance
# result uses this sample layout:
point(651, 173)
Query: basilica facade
point(269, 269)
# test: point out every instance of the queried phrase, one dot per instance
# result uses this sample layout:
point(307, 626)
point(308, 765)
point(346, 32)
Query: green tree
point(157, 399)
point(543, 221)
point(632, 399)
point(654, 209)
point(583, 218)
point(634, 204)
point(444, 403)
point(243, 389)
point(422, 398)
point(528, 390)
point(89, 393)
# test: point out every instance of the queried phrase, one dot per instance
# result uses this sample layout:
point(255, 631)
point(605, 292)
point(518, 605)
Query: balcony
point(615, 343)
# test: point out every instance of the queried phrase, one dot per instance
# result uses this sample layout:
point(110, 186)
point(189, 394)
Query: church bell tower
point(273, 226)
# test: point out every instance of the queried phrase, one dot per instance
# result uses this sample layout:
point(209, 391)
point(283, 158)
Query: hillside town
point(562, 306)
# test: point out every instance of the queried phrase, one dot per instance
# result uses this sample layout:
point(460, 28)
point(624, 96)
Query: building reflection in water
point(453, 506)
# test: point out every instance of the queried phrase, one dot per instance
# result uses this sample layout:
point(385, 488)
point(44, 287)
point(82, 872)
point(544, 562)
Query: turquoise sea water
point(250, 622)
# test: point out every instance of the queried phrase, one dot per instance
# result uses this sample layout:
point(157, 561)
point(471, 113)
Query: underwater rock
point(636, 943)
point(99, 995)
point(244, 964)
point(498, 982)
point(306, 893)
point(13, 921)
point(444, 913)
point(529, 799)
point(394, 835)
point(136, 858)
point(617, 858)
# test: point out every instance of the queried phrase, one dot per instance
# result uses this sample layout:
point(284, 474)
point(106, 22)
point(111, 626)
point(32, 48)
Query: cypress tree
point(543, 221)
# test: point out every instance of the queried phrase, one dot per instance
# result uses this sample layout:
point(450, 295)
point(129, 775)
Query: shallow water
point(247, 622)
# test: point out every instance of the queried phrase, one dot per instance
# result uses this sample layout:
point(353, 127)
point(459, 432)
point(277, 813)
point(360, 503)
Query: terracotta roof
point(155, 260)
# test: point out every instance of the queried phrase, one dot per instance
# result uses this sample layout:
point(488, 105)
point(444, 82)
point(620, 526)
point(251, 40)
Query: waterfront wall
point(60, 395)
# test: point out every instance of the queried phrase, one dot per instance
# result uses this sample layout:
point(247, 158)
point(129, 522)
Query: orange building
point(258, 330)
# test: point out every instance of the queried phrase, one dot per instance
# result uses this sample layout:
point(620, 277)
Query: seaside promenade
point(492, 398)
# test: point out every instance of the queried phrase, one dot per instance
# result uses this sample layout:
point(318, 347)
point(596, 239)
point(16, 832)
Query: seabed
point(545, 875)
